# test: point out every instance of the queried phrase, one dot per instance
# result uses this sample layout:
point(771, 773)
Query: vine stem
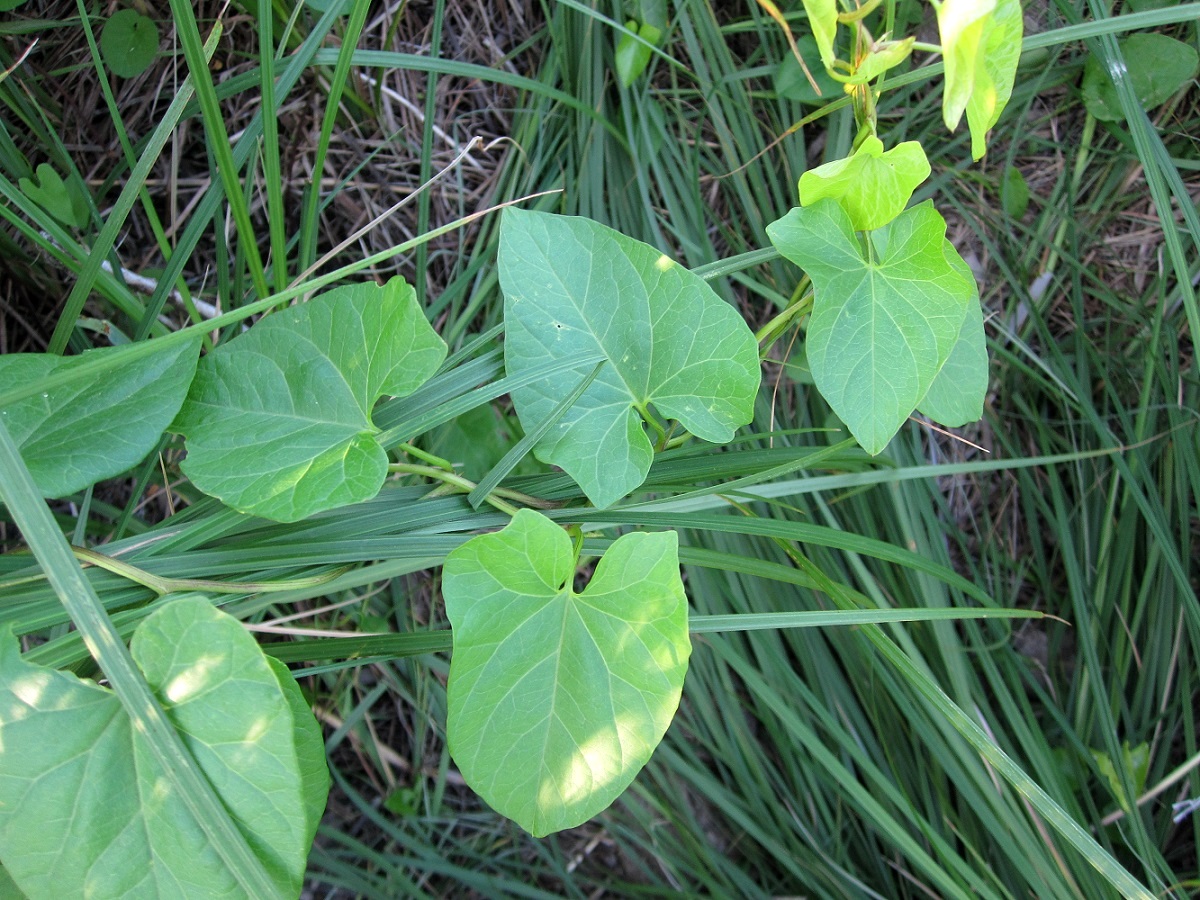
point(443, 464)
point(465, 485)
point(163, 586)
point(769, 332)
point(653, 422)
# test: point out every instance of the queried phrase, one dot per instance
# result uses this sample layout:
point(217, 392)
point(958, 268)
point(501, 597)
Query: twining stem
point(465, 486)
point(161, 585)
point(653, 422)
point(862, 12)
point(771, 331)
point(444, 464)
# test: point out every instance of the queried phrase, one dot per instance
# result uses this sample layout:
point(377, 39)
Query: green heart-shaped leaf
point(85, 809)
point(278, 420)
point(573, 288)
point(792, 84)
point(870, 185)
point(88, 430)
point(51, 193)
point(1158, 66)
point(557, 699)
point(129, 43)
point(882, 325)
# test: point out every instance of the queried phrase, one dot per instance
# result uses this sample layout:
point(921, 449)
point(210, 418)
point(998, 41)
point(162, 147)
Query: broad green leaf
point(889, 55)
point(278, 420)
point(792, 84)
point(957, 393)
point(995, 71)
point(632, 56)
point(882, 326)
point(1158, 66)
point(85, 810)
point(128, 43)
point(53, 195)
point(822, 19)
point(556, 699)
point(8, 887)
point(572, 288)
point(871, 185)
point(89, 430)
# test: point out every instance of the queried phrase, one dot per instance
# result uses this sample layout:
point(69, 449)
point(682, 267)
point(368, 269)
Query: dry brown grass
point(372, 162)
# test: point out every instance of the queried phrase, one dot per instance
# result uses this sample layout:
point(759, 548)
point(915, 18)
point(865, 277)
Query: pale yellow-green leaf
point(961, 25)
point(995, 70)
point(871, 185)
point(822, 19)
point(881, 59)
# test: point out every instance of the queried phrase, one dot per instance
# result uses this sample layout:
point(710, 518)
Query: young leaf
point(960, 24)
point(882, 325)
point(823, 20)
point(889, 55)
point(85, 809)
point(51, 193)
point(981, 44)
point(573, 288)
point(278, 420)
point(995, 71)
point(870, 185)
point(632, 56)
point(959, 389)
point(89, 430)
point(1158, 67)
point(556, 699)
point(128, 43)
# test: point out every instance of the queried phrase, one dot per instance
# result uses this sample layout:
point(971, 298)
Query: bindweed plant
point(200, 770)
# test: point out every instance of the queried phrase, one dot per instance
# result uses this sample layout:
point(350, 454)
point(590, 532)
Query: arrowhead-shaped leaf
point(85, 809)
point(91, 429)
point(882, 327)
point(871, 185)
point(557, 699)
point(278, 420)
point(957, 393)
point(573, 288)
